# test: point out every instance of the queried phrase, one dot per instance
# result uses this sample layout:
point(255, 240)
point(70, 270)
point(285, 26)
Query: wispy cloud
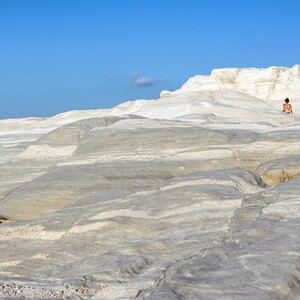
point(108, 74)
point(138, 80)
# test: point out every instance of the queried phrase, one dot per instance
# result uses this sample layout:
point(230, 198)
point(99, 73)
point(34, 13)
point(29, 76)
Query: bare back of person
point(287, 108)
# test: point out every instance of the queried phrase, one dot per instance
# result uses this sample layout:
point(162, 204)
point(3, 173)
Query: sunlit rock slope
point(271, 84)
point(191, 196)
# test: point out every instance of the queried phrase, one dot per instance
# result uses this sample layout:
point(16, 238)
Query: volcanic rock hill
point(191, 196)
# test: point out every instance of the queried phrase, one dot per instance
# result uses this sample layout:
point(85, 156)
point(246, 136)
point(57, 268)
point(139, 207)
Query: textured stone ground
point(189, 197)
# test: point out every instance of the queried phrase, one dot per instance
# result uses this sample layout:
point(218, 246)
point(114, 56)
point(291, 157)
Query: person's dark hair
point(287, 100)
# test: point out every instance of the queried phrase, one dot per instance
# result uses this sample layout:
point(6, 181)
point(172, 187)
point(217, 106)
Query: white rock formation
point(191, 196)
point(273, 84)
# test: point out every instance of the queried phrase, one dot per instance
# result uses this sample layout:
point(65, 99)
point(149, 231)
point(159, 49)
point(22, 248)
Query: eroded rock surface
point(191, 196)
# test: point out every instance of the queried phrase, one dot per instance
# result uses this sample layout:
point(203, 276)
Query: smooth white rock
point(193, 195)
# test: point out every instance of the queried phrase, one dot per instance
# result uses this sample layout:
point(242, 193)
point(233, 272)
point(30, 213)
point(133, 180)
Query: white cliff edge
point(270, 84)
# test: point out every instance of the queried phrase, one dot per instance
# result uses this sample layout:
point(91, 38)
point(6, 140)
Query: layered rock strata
point(191, 196)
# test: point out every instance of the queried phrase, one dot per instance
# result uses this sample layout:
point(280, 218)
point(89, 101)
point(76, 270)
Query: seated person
point(287, 108)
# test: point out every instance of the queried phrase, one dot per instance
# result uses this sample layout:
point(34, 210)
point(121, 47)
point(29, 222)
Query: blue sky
point(60, 55)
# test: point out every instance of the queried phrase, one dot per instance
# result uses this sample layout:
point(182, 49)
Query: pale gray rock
point(191, 196)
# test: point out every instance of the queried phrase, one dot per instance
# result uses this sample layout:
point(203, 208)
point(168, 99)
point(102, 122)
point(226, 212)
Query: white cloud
point(138, 80)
